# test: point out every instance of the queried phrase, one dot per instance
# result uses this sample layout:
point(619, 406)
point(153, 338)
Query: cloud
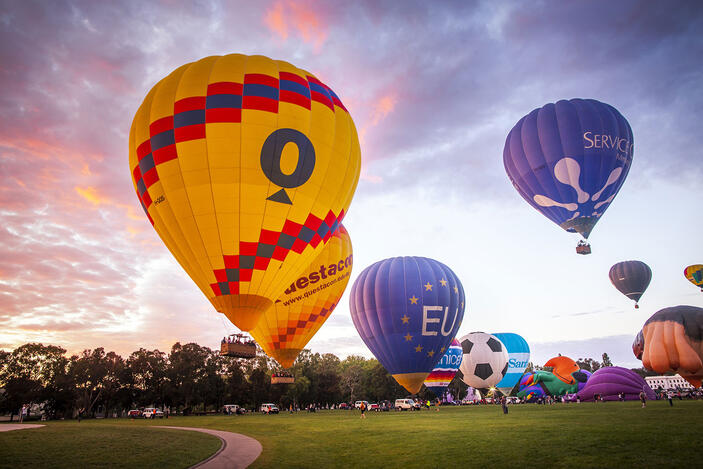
point(306, 18)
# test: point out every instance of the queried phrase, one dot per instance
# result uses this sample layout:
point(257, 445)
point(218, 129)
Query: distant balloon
point(638, 345)
point(245, 166)
point(631, 278)
point(445, 370)
point(518, 359)
point(673, 341)
point(485, 360)
point(407, 310)
point(609, 382)
point(295, 317)
point(694, 273)
point(569, 159)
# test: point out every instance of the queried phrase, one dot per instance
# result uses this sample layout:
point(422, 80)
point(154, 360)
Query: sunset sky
point(433, 87)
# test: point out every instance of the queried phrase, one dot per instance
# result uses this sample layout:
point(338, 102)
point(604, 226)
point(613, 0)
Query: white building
point(668, 382)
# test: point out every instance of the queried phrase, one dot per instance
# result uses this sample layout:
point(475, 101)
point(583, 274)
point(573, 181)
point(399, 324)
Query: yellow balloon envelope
point(245, 166)
point(694, 274)
point(307, 303)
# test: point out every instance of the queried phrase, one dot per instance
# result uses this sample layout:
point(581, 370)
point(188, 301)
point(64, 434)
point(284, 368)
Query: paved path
point(237, 451)
point(6, 427)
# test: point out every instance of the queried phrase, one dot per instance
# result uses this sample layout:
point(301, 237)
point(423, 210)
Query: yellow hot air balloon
point(305, 305)
point(245, 167)
point(694, 274)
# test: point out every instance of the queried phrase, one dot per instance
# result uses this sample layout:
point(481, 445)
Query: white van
point(268, 408)
point(406, 404)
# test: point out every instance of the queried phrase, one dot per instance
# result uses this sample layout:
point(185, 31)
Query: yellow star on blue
point(430, 353)
point(408, 337)
point(443, 282)
point(418, 348)
point(413, 300)
point(428, 286)
point(456, 289)
point(405, 318)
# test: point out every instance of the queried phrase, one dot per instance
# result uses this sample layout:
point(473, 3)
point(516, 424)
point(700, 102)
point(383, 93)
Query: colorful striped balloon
point(444, 372)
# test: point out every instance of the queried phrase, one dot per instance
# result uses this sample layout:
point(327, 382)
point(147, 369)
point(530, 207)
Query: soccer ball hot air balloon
point(485, 360)
point(694, 274)
point(518, 359)
point(307, 303)
point(407, 310)
point(631, 278)
point(568, 160)
point(444, 372)
point(245, 166)
point(673, 342)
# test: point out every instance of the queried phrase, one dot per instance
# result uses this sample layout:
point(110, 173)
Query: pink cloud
point(306, 18)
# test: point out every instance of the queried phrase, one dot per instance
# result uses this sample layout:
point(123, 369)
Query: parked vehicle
point(268, 408)
point(406, 404)
point(230, 409)
point(343, 406)
point(374, 407)
point(357, 404)
point(134, 413)
point(152, 413)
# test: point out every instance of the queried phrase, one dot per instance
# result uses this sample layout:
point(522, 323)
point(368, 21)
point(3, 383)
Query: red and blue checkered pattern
point(273, 245)
point(224, 103)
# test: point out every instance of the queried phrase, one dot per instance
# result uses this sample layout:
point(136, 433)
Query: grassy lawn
point(588, 435)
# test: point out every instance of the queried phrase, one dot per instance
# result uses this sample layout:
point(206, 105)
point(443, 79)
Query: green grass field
point(586, 435)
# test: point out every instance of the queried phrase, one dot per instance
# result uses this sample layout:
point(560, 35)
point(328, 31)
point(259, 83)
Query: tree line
point(189, 379)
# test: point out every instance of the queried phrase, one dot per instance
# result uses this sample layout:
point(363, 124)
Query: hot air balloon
point(442, 374)
point(611, 381)
point(568, 160)
point(307, 303)
point(518, 359)
point(638, 345)
point(694, 273)
point(485, 360)
point(631, 278)
point(407, 310)
point(245, 166)
point(673, 341)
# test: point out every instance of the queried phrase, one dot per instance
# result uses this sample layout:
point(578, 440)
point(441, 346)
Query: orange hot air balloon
point(673, 342)
point(563, 368)
point(245, 166)
point(300, 311)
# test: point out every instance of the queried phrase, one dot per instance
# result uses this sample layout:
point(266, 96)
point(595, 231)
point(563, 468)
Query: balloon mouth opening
point(637, 306)
point(244, 311)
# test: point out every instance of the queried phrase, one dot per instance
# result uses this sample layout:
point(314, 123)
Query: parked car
point(134, 413)
point(230, 409)
point(343, 406)
point(374, 407)
point(406, 404)
point(357, 404)
point(268, 408)
point(152, 413)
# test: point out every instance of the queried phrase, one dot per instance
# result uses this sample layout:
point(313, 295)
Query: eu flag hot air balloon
point(245, 166)
point(694, 274)
point(631, 278)
point(288, 325)
point(407, 310)
point(569, 159)
point(443, 373)
point(518, 359)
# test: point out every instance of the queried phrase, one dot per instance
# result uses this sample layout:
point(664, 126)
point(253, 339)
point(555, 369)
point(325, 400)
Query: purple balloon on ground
point(613, 380)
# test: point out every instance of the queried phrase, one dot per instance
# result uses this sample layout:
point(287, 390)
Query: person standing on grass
point(23, 413)
point(436, 404)
point(504, 404)
point(643, 399)
point(362, 408)
point(669, 396)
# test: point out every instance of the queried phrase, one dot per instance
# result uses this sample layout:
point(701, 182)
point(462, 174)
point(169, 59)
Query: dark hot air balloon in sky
point(569, 159)
point(407, 310)
point(631, 278)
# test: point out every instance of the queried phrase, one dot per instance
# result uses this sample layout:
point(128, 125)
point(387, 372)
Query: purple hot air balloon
point(610, 381)
point(407, 310)
point(631, 278)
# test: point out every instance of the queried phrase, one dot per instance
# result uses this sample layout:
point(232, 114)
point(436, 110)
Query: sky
point(433, 88)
